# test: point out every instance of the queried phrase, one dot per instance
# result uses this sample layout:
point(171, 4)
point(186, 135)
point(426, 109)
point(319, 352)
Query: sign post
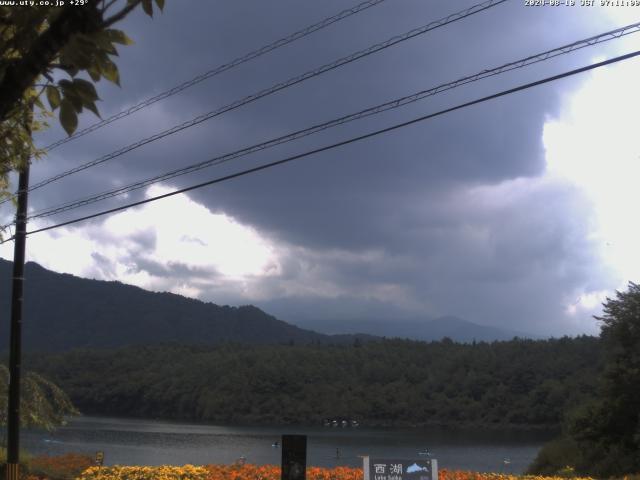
point(294, 457)
point(399, 469)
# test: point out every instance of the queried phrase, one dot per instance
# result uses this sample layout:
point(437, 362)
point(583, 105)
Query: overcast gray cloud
point(456, 215)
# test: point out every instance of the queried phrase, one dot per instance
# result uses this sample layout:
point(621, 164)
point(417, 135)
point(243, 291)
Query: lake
point(148, 442)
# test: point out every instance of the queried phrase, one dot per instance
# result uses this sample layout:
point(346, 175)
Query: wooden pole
point(15, 342)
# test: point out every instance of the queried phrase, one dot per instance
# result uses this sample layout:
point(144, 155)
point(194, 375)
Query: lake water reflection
point(147, 442)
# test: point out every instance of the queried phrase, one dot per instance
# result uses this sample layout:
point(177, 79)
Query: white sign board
point(399, 469)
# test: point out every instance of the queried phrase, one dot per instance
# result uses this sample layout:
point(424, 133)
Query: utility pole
point(15, 345)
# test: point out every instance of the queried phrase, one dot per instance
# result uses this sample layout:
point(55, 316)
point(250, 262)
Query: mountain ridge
point(63, 311)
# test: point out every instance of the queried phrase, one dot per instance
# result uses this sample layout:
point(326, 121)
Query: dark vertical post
point(15, 347)
point(294, 457)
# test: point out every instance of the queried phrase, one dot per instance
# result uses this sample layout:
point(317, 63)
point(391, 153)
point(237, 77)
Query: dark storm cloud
point(394, 195)
point(494, 258)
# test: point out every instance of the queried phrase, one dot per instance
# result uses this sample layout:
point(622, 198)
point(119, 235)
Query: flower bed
point(164, 472)
point(80, 467)
point(267, 472)
point(66, 466)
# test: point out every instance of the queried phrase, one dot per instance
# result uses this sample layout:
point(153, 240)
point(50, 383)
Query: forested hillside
point(64, 311)
point(520, 382)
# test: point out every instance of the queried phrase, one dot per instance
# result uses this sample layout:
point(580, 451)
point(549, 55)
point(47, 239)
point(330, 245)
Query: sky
point(516, 213)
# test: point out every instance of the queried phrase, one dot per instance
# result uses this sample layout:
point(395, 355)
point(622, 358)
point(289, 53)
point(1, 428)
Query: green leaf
point(90, 44)
point(85, 89)
point(147, 6)
point(68, 116)
point(53, 96)
point(106, 45)
point(109, 70)
point(70, 94)
point(71, 70)
point(160, 4)
point(94, 73)
point(87, 93)
point(83, 51)
point(92, 106)
point(118, 36)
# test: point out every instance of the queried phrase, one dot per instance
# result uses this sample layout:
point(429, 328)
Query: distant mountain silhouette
point(451, 327)
point(63, 311)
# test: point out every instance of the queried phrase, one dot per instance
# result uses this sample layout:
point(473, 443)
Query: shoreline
point(553, 430)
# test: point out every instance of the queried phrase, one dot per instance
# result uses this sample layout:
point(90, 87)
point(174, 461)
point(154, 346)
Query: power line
point(344, 142)
point(220, 69)
point(532, 59)
point(279, 86)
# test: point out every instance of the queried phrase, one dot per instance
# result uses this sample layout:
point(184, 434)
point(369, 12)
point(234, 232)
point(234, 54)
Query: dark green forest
point(602, 436)
point(389, 382)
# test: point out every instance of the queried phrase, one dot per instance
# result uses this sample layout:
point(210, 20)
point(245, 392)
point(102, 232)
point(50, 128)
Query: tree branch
point(121, 14)
point(107, 6)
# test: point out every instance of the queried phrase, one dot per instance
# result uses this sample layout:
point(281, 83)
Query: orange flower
point(68, 465)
